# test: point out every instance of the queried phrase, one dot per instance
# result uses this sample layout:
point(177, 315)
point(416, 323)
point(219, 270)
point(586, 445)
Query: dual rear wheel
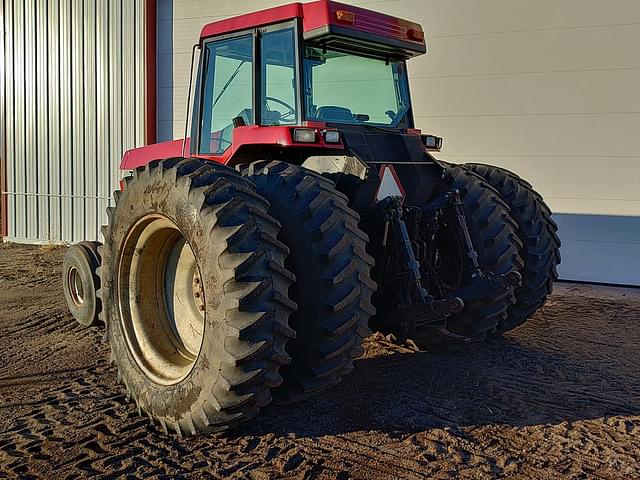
point(333, 286)
point(540, 244)
point(195, 296)
point(512, 230)
point(222, 292)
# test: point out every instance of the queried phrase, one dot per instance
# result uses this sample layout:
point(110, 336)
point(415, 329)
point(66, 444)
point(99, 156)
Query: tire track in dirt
point(560, 397)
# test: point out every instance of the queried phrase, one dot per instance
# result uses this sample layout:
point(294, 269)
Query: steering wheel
point(290, 110)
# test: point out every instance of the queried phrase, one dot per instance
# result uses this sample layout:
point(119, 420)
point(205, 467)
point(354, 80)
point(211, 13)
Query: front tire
point(195, 295)
point(80, 282)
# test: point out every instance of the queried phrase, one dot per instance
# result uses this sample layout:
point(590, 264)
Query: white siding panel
point(600, 248)
point(467, 17)
point(66, 121)
point(77, 159)
point(103, 123)
point(9, 111)
point(53, 115)
point(42, 128)
point(19, 134)
point(576, 135)
point(30, 119)
point(90, 112)
point(529, 94)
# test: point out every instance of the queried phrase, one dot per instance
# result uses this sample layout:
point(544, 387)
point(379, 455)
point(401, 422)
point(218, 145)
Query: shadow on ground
point(502, 382)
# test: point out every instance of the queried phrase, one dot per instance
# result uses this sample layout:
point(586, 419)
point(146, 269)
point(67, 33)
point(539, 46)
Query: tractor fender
point(139, 157)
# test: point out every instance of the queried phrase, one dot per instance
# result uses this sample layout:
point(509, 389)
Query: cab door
point(227, 93)
point(247, 78)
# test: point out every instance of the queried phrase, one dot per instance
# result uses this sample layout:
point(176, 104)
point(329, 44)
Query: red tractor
point(248, 262)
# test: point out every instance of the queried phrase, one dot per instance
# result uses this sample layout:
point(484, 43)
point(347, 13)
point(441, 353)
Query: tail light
point(415, 35)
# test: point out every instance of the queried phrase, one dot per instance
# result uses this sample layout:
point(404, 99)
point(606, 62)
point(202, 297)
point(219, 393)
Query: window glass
point(279, 78)
point(348, 88)
point(228, 91)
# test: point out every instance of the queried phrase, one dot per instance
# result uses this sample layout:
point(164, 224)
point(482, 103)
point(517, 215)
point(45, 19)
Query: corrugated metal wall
point(74, 102)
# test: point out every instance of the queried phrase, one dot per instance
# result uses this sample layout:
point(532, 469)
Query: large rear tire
point(195, 295)
point(495, 239)
point(333, 285)
point(540, 243)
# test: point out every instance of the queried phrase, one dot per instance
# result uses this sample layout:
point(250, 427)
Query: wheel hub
point(74, 284)
point(162, 299)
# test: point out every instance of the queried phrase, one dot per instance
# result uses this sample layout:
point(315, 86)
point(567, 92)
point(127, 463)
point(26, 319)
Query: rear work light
point(304, 135)
point(332, 136)
point(346, 17)
point(431, 142)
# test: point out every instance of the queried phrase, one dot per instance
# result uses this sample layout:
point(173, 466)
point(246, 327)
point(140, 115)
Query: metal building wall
point(74, 101)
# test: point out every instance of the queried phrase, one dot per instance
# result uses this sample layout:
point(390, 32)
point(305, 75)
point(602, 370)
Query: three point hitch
point(418, 307)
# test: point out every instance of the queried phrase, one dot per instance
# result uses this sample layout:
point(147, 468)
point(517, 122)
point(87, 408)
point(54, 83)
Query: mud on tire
point(333, 285)
point(494, 235)
point(240, 264)
point(540, 243)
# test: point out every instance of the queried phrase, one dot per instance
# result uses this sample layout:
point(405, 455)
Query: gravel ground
point(557, 398)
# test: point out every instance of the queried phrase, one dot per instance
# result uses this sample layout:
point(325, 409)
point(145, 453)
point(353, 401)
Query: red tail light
point(415, 35)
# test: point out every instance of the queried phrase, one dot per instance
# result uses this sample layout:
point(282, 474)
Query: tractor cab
point(300, 79)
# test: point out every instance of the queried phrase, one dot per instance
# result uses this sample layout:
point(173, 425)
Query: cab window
point(228, 91)
point(279, 83)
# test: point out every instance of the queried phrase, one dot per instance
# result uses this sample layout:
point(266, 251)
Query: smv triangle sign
point(390, 185)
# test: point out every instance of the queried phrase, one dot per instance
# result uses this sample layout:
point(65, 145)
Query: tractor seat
point(271, 117)
point(330, 112)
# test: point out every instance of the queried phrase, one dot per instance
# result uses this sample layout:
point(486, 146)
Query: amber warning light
point(344, 16)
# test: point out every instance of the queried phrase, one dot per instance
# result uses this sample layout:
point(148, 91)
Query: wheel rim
point(161, 299)
point(74, 285)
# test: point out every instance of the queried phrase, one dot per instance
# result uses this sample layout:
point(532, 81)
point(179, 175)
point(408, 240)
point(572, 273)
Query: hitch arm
point(393, 214)
point(453, 200)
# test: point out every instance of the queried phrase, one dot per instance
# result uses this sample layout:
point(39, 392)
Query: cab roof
point(333, 24)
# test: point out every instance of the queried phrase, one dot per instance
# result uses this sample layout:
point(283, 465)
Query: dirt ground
point(557, 398)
